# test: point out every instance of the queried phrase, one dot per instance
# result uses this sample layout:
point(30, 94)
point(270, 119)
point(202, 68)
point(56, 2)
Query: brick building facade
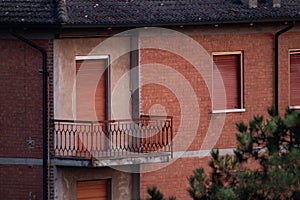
point(208, 66)
point(21, 126)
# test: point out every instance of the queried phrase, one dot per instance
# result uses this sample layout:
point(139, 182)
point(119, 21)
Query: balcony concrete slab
point(129, 159)
point(132, 160)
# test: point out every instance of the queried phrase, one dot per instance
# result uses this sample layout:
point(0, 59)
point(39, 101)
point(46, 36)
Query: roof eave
point(136, 25)
point(167, 24)
point(29, 25)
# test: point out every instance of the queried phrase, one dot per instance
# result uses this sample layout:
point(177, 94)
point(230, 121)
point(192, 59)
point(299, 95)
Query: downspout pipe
point(45, 109)
point(277, 63)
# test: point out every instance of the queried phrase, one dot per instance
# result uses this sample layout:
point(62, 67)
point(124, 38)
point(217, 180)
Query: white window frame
point(237, 110)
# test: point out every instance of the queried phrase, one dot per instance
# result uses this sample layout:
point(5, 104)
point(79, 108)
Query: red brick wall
point(21, 116)
point(172, 180)
point(21, 98)
point(20, 181)
point(287, 41)
point(258, 96)
point(258, 82)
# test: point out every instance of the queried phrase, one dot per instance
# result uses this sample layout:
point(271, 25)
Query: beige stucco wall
point(66, 181)
point(65, 51)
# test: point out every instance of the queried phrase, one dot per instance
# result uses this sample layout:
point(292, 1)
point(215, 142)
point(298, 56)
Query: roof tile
point(26, 11)
point(142, 12)
point(118, 12)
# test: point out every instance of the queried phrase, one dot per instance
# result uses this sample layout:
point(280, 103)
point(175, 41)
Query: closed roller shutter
point(93, 190)
point(295, 80)
point(228, 66)
point(90, 70)
point(90, 100)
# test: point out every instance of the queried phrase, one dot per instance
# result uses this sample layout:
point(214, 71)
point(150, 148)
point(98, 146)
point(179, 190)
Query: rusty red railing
point(86, 139)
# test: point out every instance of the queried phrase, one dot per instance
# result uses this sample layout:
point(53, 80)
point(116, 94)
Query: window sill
point(228, 111)
point(294, 107)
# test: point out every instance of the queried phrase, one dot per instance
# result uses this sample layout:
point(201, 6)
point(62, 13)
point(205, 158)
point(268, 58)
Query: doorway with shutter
point(94, 190)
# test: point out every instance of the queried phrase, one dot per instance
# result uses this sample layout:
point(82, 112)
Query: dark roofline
point(60, 21)
point(29, 26)
point(133, 25)
point(106, 14)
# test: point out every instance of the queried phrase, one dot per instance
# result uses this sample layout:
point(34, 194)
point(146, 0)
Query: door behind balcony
point(90, 98)
point(91, 84)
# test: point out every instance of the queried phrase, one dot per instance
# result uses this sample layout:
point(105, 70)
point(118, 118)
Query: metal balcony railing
point(113, 138)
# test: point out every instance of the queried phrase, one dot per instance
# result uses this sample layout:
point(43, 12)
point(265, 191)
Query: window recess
point(228, 82)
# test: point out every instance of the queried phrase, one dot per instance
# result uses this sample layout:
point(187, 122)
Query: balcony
point(115, 142)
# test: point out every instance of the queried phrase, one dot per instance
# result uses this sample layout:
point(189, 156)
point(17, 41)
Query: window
point(295, 79)
point(228, 82)
point(91, 87)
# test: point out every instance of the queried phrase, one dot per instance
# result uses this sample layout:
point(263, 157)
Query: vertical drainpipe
point(45, 109)
point(277, 64)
